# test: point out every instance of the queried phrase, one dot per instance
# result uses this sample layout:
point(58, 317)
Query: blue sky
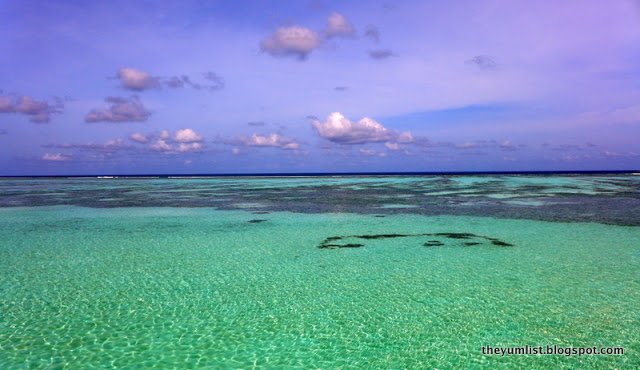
point(136, 87)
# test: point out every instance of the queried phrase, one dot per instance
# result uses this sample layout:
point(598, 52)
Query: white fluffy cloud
point(392, 146)
point(271, 140)
point(161, 145)
point(139, 138)
point(339, 129)
point(339, 26)
point(119, 110)
point(293, 41)
point(189, 147)
point(187, 135)
point(183, 141)
point(136, 80)
point(405, 137)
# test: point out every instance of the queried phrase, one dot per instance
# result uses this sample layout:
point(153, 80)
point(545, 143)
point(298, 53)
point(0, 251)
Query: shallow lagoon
point(87, 285)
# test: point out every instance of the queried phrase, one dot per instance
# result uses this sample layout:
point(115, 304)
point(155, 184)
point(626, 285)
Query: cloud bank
point(56, 157)
point(271, 140)
point(119, 110)
point(182, 141)
point(38, 111)
point(137, 80)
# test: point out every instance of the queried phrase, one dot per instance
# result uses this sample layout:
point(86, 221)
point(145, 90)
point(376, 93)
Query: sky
point(205, 87)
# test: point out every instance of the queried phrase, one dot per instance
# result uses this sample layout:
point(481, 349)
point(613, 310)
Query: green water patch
point(137, 287)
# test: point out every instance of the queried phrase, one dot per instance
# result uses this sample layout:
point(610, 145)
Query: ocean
point(345, 271)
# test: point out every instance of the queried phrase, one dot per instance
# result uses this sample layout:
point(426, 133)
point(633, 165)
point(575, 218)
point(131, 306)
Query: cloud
point(372, 152)
point(120, 110)
point(271, 140)
point(609, 154)
point(507, 145)
point(177, 82)
point(183, 141)
point(381, 54)
point(338, 129)
point(467, 145)
point(392, 146)
point(483, 62)
point(373, 33)
point(217, 82)
point(189, 147)
point(187, 135)
point(139, 138)
point(161, 145)
point(136, 80)
point(38, 111)
point(341, 88)
point(339, 26)
point(109, 146)
point(293, 41)
point(56, 157)
point(405, 137)
point(256, 123)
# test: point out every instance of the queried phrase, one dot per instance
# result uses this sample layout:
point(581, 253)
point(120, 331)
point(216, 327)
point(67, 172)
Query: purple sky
point(137, 87)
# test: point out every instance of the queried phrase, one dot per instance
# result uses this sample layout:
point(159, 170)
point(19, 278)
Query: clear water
point(129, 273)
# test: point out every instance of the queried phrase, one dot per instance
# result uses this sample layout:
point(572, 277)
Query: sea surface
point(318, 272)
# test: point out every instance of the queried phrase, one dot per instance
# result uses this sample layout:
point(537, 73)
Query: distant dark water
point(609, 199)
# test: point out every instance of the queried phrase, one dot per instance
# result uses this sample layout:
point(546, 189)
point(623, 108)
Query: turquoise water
point(250, 285)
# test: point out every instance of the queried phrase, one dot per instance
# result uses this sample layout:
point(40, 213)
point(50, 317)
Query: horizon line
point(326, 174)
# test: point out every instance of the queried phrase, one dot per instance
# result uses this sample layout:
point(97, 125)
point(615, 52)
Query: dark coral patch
point(379, 216)
point(500, 243)
point(352, 245)
point(456, 235)
point(334, 246)
point(381, 236)
point(433, 243)
point(256, 221)
point(329, 243)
